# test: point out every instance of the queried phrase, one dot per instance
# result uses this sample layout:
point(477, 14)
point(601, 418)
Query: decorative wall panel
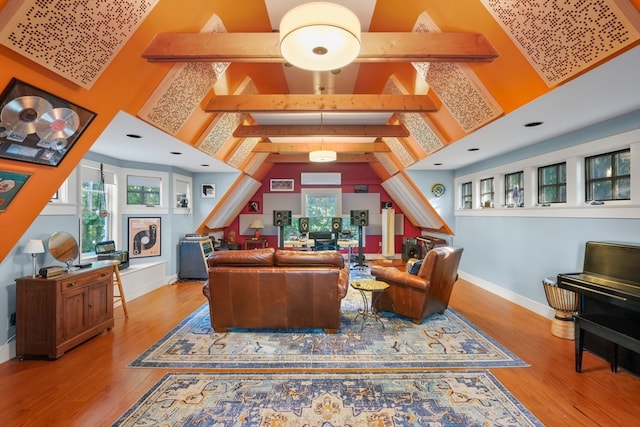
point(222, 127)
point(243, 150)
point(422, 130)
point(386, 162)
point(563, 38)
point(256, 160)
point(183, 89)
point(400, 151)
point(457, 86)
point(76, 40)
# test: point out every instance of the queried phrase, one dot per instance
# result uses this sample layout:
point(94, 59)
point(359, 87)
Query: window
point(99, 207)
point(143, 190)
point(608, 176)
point(552, 183)
point(322, 203)
point(95, 224)
point(514, 189)
point(486, 192)
point(467, 195)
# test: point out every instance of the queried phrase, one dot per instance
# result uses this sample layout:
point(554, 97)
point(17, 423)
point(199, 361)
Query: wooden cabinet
point(56, 314)
point(258, 243)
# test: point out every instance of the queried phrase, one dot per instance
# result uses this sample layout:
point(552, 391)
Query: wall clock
point(438, 189)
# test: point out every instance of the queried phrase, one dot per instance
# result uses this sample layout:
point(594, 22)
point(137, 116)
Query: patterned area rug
point(441, 341)
point(338, 399)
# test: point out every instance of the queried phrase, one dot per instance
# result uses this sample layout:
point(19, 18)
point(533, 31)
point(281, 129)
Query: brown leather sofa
point(268, 288)
point(425, 293)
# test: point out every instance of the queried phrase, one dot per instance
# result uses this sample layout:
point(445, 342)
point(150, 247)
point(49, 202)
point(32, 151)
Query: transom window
point(486, 192)
point(143, 190)
point(467, 195)
point(608, 176)
point(514, 189)
point(552, 183)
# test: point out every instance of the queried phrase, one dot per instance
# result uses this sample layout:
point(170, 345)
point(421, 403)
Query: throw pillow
point(415, 267)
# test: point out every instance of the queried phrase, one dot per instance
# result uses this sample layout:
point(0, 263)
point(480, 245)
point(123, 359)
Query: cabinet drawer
point(74, 282)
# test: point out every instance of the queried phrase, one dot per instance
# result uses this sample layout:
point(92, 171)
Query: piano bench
point(620, 331)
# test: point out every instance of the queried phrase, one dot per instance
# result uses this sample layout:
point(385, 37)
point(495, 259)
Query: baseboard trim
point(529, 304)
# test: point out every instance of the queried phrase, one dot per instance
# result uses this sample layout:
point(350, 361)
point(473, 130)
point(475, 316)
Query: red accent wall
point(352, 174)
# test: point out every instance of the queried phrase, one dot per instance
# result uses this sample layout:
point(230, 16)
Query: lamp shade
point(256, 224)
point(34, 247)
point(323, 156)
point(319, 36)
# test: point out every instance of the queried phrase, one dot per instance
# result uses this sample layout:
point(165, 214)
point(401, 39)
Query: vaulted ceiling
point(249, 112)
point(238, 114)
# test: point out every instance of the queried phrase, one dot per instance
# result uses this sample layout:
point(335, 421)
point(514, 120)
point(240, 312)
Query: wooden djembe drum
point(565, 303)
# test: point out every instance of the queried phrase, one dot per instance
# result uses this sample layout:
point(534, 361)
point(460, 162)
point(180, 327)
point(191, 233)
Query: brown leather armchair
point(419, 296)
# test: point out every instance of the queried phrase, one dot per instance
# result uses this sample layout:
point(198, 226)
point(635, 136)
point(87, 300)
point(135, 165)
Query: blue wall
point(516, 252)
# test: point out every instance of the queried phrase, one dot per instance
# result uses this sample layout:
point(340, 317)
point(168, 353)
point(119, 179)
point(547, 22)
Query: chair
point(324, 241)
point(424, 294)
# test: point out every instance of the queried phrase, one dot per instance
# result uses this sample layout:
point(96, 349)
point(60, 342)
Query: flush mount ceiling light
point(319, 36)
point(322, 156)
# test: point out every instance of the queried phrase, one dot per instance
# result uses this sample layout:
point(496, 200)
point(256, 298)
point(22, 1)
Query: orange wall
point(124, 85)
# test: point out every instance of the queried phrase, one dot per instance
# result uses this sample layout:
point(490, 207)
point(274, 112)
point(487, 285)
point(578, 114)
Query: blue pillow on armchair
point(415, 267)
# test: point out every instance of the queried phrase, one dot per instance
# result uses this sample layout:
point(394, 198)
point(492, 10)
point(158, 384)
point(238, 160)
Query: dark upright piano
point(608, 303)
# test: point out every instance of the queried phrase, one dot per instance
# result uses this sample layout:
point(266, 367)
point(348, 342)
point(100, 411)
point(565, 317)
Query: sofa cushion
point(284, 258)
point(251, 258)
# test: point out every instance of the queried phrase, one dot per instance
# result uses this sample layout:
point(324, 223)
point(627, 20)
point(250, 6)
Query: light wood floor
point(91, 385)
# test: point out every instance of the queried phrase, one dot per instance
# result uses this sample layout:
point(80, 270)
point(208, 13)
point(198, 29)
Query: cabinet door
point(100, 304)
point(73, 313)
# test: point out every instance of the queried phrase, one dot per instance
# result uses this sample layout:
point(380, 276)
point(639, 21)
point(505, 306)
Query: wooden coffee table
point(375, 288)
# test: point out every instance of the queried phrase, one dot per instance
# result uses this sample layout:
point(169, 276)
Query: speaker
point(281, 218)
point(411, 250)
point(336, 225)
point(303, 225)
point(360, 218)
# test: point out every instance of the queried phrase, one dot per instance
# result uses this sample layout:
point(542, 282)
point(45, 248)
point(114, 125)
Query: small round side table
point(375, 287)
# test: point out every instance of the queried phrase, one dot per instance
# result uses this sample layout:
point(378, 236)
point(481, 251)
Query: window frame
point(162, 208)
point(614, 178)
point(558, 185)
point(466, 193)
point(509, 189)
point(487, 196)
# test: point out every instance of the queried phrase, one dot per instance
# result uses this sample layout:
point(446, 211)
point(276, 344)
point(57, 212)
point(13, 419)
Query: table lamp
point(34, 247)
point(256, 225)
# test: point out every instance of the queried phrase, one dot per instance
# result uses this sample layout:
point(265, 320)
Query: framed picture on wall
point(38, 127)
point(208, 191)
point(144, 237)
point(10, 185)
point(281, 185)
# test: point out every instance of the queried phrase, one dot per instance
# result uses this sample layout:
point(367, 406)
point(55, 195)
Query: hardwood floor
point(91, 385)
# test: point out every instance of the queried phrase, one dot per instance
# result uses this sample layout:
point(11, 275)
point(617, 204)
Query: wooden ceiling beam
point(298, 147)
point(304, 158)
point(265, 131)
point(314, 103)
point(264, 47)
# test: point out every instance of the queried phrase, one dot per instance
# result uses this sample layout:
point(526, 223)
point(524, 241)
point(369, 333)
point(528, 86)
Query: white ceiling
point(605, 92)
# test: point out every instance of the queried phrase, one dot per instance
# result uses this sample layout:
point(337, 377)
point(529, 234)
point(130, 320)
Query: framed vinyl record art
point(144, 237)
point(38, 127)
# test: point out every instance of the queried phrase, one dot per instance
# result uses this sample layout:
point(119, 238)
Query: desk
point(258, 243)
point(303, 245)
point(375, 287)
